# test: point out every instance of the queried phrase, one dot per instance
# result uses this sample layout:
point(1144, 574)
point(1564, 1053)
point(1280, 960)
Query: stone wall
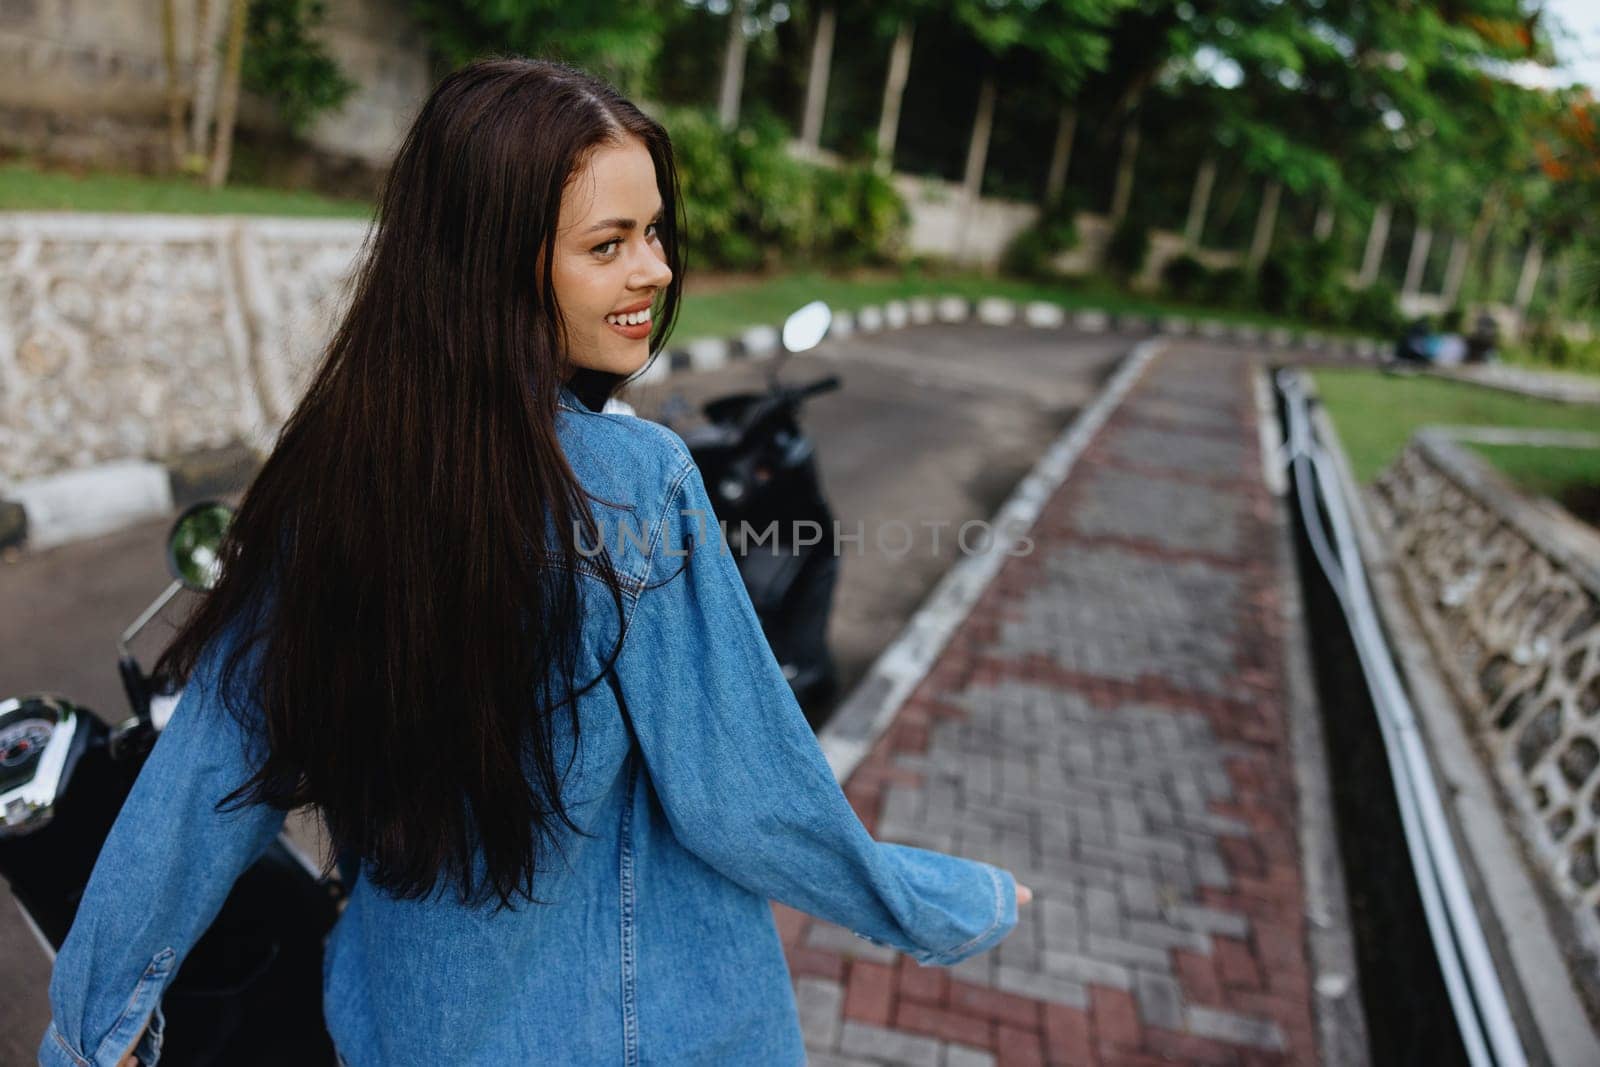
point(1508, 591)
point(153, 336)
point(941, 226)
point(86, 82)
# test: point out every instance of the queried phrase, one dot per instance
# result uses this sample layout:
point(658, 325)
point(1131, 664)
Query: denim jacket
point(704, 789)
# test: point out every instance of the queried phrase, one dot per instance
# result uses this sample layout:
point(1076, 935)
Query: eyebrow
point(621, 224)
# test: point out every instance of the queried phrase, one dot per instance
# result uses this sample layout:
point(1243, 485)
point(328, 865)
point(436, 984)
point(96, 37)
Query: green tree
point(619, 42)
point(286, 63)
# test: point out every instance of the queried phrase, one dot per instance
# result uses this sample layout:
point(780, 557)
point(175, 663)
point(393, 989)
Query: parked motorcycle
point(250, 991)
point(760, 471)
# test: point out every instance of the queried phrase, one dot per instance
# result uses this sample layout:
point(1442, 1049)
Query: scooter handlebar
point(824, 385)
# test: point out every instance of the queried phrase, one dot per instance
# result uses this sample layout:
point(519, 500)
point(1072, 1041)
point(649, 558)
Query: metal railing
point(1470, 978)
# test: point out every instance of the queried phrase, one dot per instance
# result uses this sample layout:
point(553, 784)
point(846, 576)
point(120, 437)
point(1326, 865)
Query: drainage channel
point(1429, 988)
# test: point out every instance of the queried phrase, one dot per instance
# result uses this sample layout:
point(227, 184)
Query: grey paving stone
point(963, 1056)
point(1160, 1000)
point(1131, 953)
point(1088, 969)
point(887, 1046)
point(819, 1002)
point(1234, 1029)
point(1102, 912)
point(979, 969)
point(1209, 920)
point(1059, 924)
point(1139, 896)
point(1165, 935)
point(830, 1059)
point(1056, 988)
point(1211, 872)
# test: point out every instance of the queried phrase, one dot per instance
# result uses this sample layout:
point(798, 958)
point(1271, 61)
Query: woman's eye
point(607, 248)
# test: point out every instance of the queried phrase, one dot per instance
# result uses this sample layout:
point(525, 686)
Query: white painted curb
point(92, 501)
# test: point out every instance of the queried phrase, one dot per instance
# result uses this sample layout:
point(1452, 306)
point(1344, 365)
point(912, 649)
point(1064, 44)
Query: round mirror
point(805, 328)
point(194, 548)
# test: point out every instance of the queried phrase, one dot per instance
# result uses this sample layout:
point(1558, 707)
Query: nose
point(650, 272)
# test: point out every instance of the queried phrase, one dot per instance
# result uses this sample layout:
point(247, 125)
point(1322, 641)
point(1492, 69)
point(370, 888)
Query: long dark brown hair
point(404, 568)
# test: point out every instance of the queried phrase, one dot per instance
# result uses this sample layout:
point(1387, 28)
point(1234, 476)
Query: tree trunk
point(894, 90)
point(1377, 236)
point(977, 153)
point(1122, 192)
point(169, 57)
point(1195, 225)
point(817, 81)
point(207, 26)
point(1421, 239)
point(732, 68)
point(1454, 270)
point(1482, 227)
point(1528, 281)
point(1322, 229)
point(1266, 222)
point(1061, 158)
point(228, 105)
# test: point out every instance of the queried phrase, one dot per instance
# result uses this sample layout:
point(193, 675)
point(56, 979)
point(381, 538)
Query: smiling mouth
point(632, 319)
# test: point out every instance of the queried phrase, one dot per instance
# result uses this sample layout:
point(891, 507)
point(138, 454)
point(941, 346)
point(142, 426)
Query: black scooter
point(760, 470)
point(250, 991)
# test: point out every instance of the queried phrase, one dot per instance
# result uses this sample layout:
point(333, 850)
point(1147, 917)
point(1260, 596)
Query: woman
point(482, 628)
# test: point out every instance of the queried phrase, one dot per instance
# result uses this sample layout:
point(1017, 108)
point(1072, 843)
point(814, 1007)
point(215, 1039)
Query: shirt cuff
point(1004, 921)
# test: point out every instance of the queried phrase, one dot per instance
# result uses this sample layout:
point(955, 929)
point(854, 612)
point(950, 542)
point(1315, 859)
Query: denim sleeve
point(742, 779)
point(161, 877)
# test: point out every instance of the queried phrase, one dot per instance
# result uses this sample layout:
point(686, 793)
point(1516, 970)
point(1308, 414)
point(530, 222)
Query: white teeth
point(631, 319)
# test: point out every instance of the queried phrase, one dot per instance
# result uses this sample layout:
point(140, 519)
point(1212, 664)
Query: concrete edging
point(91, 501)
point(870, 708)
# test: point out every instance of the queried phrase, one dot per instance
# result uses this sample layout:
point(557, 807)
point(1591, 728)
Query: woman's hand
point(1024, 895)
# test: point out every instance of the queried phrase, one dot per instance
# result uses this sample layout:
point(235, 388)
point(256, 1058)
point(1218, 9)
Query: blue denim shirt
point(657, 943)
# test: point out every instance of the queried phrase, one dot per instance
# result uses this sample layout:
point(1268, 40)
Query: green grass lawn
point(1546, 470)
point(25, 188)
point(1376, 414)
point(732, 308)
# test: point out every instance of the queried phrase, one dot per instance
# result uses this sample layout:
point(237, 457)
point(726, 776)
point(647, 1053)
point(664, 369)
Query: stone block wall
point(1507, 590)
point(129, 336)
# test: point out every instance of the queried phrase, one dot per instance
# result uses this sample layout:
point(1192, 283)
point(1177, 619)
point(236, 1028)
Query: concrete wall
point(86, 82)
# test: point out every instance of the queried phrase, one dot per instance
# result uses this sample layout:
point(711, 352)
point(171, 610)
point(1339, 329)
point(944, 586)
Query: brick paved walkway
point(1108, 723)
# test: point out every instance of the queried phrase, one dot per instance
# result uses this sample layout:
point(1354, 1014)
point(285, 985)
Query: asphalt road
point(932, 425)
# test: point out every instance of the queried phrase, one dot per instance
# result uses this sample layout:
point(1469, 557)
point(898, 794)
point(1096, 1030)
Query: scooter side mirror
point(805, 328)
point(194, 547)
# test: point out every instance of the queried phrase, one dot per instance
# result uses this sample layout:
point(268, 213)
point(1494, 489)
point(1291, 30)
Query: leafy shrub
point(1030, 252)
point(1375, 309)
point(285, 61)
point(1227, 287)
point(1185, 277)
point(1128, 246)
point(861, 217)
point(1300, 279)
point(749, 205)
